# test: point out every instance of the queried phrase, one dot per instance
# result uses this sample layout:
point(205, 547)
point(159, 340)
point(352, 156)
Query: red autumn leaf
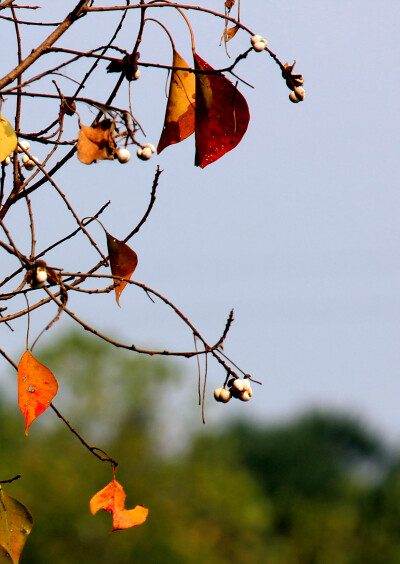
point(123, 261)
point(179, 115)
point(222, 115)
point(37, 387)
point(112, 499)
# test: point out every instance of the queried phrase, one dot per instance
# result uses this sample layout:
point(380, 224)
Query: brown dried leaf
point(96, 143)
point(123, 262)
point(229, 33)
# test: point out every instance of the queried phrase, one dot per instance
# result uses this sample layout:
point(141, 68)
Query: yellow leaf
point(179, 115)
point(15, 525)
point(8, 138)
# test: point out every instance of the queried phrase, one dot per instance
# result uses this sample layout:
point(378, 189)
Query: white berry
point(246, 384)
point(293, 98)
point(137, 74)
point(29, 164)
point(25, 158)
point(123, 155)
point(255, 39)
point(222, 395)
point(300, 93)
point(144, 154)
point(41, 275)
point(150, 146)
point(23, 145)
point(238, 385)
point(259, 46)
point(244, 396)
point(7, 160)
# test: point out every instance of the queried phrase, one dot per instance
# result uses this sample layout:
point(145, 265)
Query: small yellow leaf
point(15, 525)
point(8, 138)
point(179, 115)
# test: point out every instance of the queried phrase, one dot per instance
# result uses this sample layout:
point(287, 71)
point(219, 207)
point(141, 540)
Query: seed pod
point(222, 395)
point(259, 46)
point(246, 384)
point(123, 155)
point(255, 39)
point(300, 92)
point(136, 75)
point(41, 276)
point(7, 160)
point(238, 385)
point(29, 164)
point(225, 395)
point(150, 146)
point(293, 98)
point(23, 145)
point(144, 154)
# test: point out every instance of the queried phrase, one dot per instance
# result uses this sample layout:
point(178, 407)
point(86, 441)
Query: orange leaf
point(112, 499)
point(96, 143)
point(37, 387)
point(123, 261)
point(179, 115)
point(222, 115)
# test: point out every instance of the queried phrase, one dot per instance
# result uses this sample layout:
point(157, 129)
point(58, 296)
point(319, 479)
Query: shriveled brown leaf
point(229, 33)
point(123, 262)
point(96, 143)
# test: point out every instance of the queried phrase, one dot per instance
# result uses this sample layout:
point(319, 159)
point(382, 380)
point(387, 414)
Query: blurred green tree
point(320, 489)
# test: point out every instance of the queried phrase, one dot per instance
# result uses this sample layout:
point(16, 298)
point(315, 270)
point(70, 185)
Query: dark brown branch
point(94, 450)
point(50, 40)
point(17, 477)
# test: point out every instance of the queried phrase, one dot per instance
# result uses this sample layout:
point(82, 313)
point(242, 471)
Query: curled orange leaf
point(123, 262)
point(96, 143)
point(112, 499)
point(179, 115)
point(37, 387)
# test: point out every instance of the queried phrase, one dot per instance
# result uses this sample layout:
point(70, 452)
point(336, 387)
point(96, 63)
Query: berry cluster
point(259, 43)
point(144, 153)
point(237, 388)
point(28, 163)
point(295, 83)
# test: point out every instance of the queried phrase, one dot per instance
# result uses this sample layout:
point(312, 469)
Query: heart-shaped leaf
point(8, 139)
point(222, 115)
point(112, 499)
point(15, 525)
point(123, 261)
point(37, 387)
point(179, 115)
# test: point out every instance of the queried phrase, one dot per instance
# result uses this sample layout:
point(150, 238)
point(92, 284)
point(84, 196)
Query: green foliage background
point(321, 489)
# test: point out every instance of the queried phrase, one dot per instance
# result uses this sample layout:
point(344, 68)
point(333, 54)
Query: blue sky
point(297, 228)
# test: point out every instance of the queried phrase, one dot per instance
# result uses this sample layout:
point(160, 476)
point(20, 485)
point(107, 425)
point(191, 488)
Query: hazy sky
point(297, 228)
